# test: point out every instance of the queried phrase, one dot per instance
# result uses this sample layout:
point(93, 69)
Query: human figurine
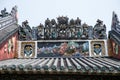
point(53, 22)
point(22, 34)
point(54, 34)
point(62, 31)
point(47, 34)
point(90, 32)
point(68, 34)
point(62, 26)
point(72, 28)
point(34, 33)
point(62, 34)
point(27, 30)
point(78, 21)
point(85, 31)
point(100, 30)
point(78, 33)
point(47, 22)
point(40, 34)
point(72, 34)
point(53, 29)
point(72, 23)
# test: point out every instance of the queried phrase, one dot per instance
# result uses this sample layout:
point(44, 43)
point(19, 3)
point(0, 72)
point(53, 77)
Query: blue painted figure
point(28, 51)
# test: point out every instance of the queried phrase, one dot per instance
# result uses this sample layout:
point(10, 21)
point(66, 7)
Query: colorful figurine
point(99, 30)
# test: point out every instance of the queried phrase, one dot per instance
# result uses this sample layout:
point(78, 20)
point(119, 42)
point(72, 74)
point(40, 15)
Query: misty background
point(37, 11)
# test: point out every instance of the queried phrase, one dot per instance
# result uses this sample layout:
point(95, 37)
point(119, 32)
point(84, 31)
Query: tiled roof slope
point(7, 32)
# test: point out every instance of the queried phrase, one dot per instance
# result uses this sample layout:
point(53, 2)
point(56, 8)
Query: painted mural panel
point(63, 49)
point(116, 50)
point(8, 48)
point(27, 50)
point(98, 48)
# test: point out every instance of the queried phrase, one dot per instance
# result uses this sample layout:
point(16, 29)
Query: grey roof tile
point(7, 32)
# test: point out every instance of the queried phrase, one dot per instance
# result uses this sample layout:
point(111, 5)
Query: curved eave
point(7, 32)
point(114, 35)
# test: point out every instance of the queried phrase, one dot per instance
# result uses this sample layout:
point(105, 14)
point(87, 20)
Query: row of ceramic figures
point(13, 12)
point(62, 32)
